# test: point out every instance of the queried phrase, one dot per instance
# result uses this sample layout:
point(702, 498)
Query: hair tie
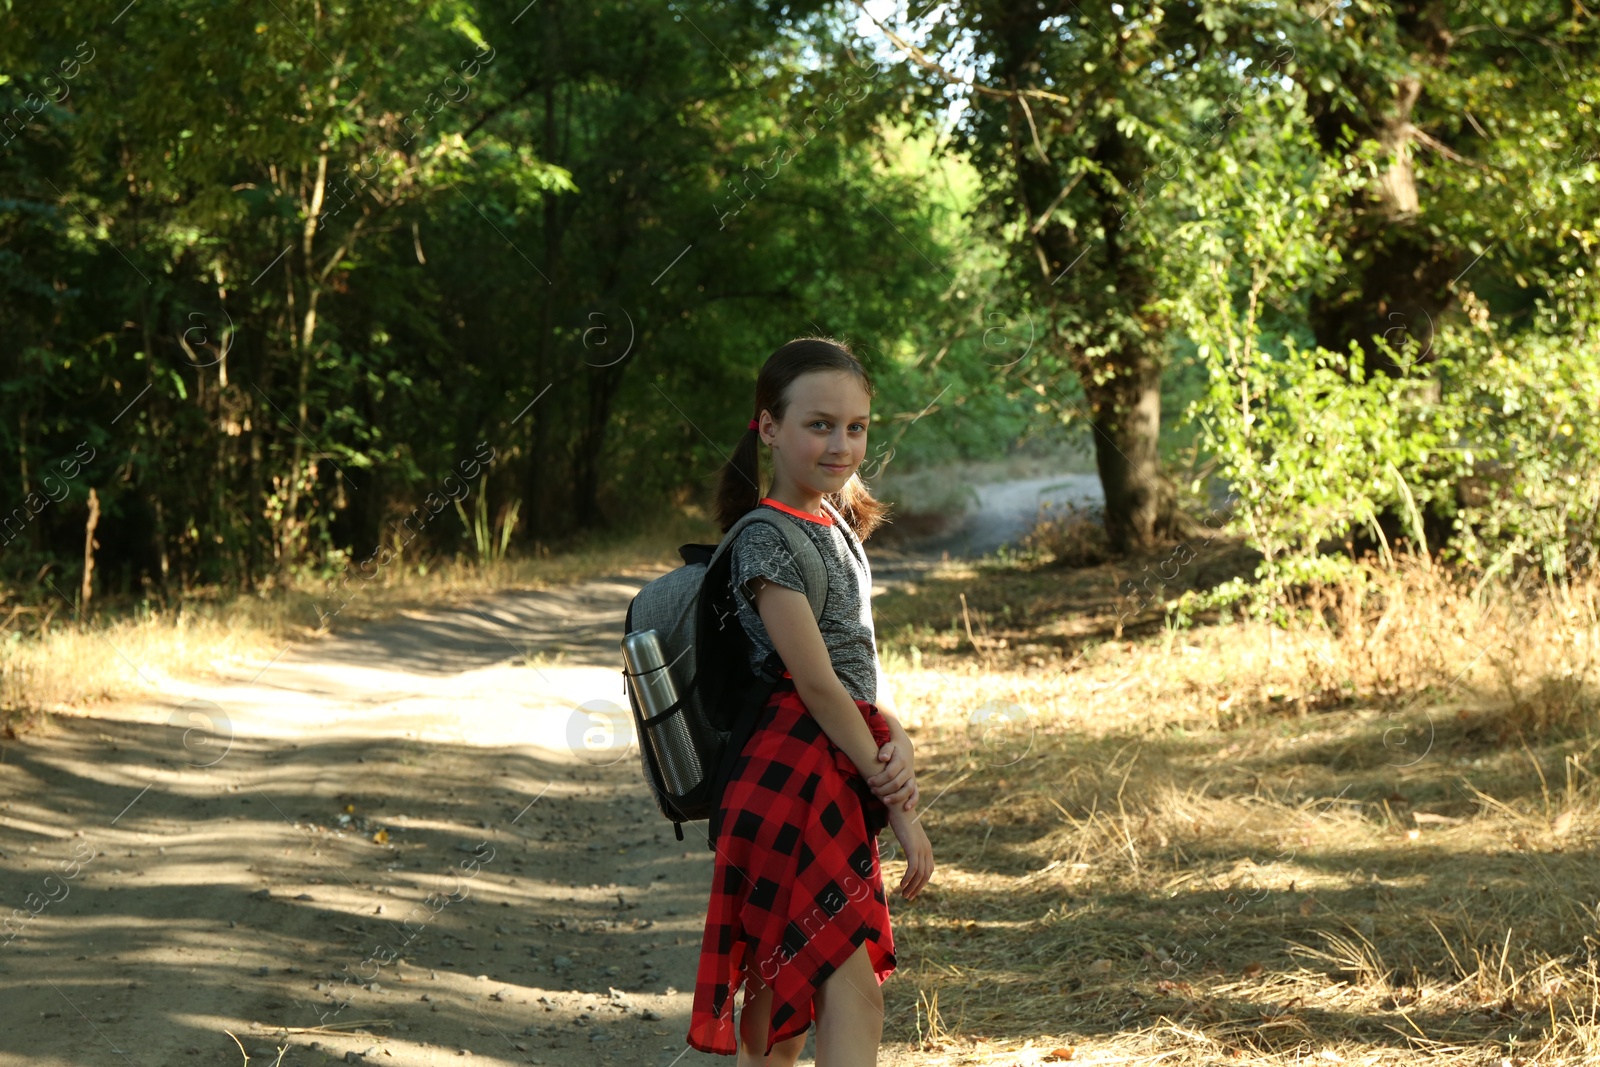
point(755, 424)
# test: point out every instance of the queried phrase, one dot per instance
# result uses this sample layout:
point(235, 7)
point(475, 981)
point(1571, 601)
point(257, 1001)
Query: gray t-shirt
point(846, 621)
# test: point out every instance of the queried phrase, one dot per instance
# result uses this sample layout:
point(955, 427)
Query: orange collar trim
point(825, 520)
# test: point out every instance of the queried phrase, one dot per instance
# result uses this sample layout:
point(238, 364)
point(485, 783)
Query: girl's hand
point(896, 784)
point(919, 852)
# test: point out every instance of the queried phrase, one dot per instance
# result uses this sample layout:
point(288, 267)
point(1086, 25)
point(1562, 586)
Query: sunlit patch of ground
point(1367, 838)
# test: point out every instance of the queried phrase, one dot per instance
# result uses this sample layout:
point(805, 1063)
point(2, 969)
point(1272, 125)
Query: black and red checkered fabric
point(797, 888)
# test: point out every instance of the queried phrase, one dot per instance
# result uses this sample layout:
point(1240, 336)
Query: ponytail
point(739, 483)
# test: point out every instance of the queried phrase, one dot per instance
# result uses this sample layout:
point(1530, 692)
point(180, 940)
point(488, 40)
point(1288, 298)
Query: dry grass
point(1369, 838)
point(50, 660)
point(1075, 537)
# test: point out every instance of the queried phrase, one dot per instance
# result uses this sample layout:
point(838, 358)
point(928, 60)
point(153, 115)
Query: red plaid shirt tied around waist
point(796, 888)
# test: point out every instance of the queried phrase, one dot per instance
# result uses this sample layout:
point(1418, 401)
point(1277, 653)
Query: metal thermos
point(670, 739)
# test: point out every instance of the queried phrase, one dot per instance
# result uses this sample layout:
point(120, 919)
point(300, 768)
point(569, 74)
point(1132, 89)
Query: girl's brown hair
point(739, 486)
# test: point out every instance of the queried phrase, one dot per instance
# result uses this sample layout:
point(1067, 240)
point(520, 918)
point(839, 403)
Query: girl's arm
point(786, 613)
point(897, 733)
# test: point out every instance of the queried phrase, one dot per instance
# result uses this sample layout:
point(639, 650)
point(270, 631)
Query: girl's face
point(823, 438)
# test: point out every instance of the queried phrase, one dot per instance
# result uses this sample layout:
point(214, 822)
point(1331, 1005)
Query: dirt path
point(386, 827)
point(1003, 512)
point(435, 826)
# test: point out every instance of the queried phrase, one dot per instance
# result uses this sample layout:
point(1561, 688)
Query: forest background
point(272, 281)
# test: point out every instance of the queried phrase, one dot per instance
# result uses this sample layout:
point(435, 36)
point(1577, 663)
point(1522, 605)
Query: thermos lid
point(641, 651)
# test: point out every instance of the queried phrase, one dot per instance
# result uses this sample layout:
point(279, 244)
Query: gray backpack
point(707, 652)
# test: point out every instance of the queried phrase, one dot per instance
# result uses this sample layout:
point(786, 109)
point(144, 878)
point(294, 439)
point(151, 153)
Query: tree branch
point(1445, 150)
point(921, 59)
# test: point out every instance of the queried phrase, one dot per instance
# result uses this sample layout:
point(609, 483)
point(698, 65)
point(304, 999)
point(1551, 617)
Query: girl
point(798, 915)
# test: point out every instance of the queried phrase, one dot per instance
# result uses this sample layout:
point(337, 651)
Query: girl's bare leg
point(849, 1007)
point(753, 1019)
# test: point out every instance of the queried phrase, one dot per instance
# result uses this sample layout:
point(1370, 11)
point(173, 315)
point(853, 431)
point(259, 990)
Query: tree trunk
point(1126, 415)
point(603, 386)
point(1123, 385)
point(1400, 270)
point(1400, 296)
point(89, 545)
point(535, 481)
point(293, 538)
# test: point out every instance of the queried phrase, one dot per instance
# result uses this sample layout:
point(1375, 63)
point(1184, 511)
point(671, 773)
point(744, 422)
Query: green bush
point(1495, 430)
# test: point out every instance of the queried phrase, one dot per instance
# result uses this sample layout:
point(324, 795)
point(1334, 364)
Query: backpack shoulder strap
point(805, 552)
